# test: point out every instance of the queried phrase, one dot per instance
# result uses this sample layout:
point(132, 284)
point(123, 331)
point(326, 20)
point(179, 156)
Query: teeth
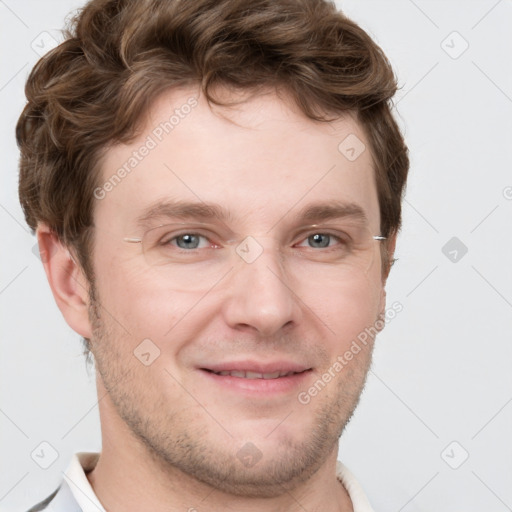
point(254, 375)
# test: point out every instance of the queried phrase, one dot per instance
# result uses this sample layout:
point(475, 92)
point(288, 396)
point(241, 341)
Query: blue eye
point(187, 241)
point(319, 240)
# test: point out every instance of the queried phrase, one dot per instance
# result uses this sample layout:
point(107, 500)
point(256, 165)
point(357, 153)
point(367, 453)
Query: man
point(216, 190)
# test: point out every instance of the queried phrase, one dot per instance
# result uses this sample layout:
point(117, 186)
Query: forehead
point(260, 161)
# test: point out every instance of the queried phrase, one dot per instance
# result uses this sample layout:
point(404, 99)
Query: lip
point(258, 387)
point(257, 367)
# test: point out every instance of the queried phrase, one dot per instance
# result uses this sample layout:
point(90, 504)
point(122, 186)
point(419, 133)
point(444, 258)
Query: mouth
point(257, 380)
point(246, 374)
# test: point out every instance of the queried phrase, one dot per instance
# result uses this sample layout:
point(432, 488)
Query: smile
point(254, 375)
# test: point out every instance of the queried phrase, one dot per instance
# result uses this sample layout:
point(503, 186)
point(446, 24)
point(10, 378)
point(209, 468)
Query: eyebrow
point(332, 210)
point(189, 210)
point(182, 210)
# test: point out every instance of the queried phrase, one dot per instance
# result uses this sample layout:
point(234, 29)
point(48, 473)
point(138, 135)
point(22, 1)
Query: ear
point(67, 281)
point(390, 248)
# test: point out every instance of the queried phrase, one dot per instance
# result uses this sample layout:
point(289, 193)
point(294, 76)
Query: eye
point(187, 241)
point(321, 240)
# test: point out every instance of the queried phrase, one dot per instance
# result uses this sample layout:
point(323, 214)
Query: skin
point(171, 437)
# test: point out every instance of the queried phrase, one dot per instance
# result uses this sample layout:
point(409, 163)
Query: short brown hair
point(92, 90)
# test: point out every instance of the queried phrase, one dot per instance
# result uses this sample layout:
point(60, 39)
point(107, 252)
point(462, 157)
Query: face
point(200, 297)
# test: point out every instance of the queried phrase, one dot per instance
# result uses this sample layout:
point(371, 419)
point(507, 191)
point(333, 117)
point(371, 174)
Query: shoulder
point(44, 504)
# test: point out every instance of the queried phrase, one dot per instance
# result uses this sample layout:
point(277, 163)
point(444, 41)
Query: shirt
point(75, 493)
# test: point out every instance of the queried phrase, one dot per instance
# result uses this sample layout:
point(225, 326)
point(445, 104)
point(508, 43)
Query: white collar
point(80, 464)
point(359, 501)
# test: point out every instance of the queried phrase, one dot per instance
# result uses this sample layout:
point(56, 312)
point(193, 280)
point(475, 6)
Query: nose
point(260, 296)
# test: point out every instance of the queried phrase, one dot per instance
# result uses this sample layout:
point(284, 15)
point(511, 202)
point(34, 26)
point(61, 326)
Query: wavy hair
point(93, 89)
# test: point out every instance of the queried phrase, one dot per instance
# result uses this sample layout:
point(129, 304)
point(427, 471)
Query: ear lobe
point(67, 281)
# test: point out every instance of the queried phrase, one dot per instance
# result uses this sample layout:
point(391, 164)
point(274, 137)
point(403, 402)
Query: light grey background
point(442, 366)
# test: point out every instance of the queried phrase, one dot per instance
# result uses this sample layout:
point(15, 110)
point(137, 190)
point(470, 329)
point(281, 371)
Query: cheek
point(141, 305)
point(133, 297)
point(346, 310)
